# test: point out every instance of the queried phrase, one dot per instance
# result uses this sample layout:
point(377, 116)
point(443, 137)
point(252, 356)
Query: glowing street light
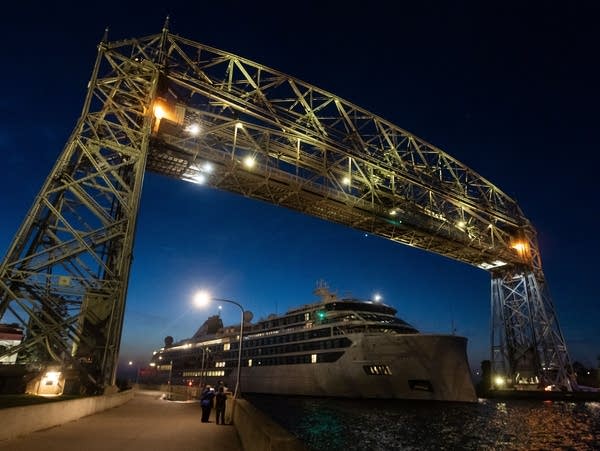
point(137, 370)
point(201, 299)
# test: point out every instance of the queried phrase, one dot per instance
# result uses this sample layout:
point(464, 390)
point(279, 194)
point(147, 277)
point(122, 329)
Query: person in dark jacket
point(220, 401)
point(206, 401)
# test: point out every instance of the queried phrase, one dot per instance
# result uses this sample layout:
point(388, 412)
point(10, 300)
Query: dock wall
point(22, 420)
point(258, 432)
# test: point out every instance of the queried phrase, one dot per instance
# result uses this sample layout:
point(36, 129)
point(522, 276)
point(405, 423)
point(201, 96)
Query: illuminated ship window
point(220, 365)
point(313, 358)
point(378, 370)
point(249, 362)
point(306, 316)
point(226, 347)
point(420, 385)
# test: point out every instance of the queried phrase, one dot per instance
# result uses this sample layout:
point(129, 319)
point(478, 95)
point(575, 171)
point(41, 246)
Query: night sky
point(508, 88)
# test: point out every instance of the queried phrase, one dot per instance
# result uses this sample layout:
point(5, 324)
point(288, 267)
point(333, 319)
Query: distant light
point(207, 167)
point(377, 297)
point(346, 181)
point(461, 224)
point(499, 381)
point(366, 235)
point(201, 298)
point(249, 161)
point(393, 212)
point(130, 362)
point(239, 125)
point(152, 364)
point(193, 129)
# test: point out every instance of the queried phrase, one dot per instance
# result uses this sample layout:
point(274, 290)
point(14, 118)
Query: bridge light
point(519, 246)
point(238, 125)
point(193, 129)
point(461, 224)
point(346, 181)
point(207, 167)
point(377, 297)
point(199, 178)
point(393, 212)
point(249, 162)
point(159, 111)
point(499, 381)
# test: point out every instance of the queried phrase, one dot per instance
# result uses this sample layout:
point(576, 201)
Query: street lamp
point(201, 299)
point(137, 370)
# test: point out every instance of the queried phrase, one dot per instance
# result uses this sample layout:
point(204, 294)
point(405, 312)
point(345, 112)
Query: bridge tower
point(170, 105)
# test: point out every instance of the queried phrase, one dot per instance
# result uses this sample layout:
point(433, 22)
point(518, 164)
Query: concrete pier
point(147, 422)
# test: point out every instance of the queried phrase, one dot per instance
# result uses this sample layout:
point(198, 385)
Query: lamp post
point(201, 299)
point(203, 377)
point(137, 370)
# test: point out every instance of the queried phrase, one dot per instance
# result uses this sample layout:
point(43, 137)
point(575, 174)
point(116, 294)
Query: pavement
point(147, 422)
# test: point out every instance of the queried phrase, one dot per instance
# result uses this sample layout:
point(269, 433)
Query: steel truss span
point(179, 108)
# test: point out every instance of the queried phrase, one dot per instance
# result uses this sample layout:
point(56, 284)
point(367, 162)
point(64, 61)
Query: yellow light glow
point(159, 111)
point(461, 224)
point(346, 181)
point(52, 376)
point(519, 246)
point(393, 212)
point(239, 125)
point(499, 381)
point(249, 162)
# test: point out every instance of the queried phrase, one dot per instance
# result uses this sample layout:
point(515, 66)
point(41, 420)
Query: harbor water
point(490, 424)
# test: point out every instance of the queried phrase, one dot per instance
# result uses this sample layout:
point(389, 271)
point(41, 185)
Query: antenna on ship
point(323, 292)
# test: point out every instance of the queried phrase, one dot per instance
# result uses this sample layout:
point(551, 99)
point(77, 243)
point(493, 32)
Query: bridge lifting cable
point(169, 105)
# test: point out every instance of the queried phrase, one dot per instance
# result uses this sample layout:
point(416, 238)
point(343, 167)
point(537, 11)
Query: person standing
point(206, 400)
point(220, 402)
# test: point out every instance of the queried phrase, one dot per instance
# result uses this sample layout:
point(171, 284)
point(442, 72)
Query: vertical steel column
point(65, 276)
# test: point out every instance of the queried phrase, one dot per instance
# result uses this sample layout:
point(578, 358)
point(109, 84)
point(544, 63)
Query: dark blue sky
point(509, 89)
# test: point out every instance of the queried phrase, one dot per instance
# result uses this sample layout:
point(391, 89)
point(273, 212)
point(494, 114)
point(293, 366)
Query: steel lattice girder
point(311, 151)
point(65, 275)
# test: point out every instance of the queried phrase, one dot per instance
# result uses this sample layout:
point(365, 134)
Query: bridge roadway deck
point(147, 422)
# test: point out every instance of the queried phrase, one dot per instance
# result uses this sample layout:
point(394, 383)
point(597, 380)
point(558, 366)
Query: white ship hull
point(417, 366)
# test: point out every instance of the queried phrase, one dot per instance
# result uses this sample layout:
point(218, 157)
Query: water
point(339, 424)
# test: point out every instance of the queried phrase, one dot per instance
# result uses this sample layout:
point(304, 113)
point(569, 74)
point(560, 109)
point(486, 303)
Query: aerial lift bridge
point(169, 105)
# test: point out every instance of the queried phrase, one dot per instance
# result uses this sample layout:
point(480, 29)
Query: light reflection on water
point(340, 424)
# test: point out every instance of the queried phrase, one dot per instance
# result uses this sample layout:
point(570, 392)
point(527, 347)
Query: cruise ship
point(338, 347)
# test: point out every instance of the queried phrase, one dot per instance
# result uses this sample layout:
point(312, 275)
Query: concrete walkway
point(147, 422)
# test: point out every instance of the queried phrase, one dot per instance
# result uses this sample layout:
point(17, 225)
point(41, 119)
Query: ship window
point(249, 362)
point(377, 370)
point(420, 385)
point(226, 347)
point(306, 316)
point(220, 365)
point(313, 358)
